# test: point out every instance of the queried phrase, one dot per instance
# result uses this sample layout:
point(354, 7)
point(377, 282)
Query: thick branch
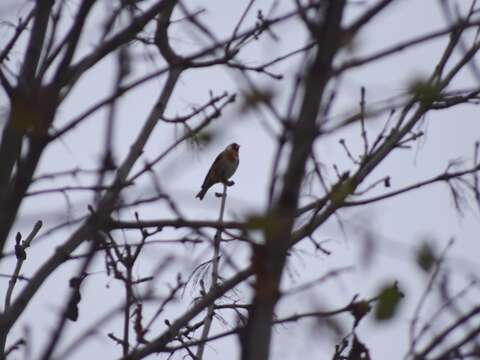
point(124, 36)
point(106, 205)
point(255, 338)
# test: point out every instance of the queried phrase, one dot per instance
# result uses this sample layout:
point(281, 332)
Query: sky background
point(396, 226)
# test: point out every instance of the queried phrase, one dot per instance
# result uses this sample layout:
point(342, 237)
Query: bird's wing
point(215, 167)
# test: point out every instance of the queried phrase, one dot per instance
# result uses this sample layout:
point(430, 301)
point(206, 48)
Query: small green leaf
point(340, 192)
point(388, 301)
point(259, 222)
point(253, 99)
point(426, 257)
point(425, 91)
point(201, 139)
point(269, 224)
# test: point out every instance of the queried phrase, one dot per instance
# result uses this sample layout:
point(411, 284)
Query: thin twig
point(423, 298)
point(20, 261)
point(215, 262)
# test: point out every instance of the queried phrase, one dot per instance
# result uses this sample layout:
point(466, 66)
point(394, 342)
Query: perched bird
point(222, 168)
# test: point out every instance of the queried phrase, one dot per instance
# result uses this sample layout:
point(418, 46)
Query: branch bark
point(255, 338)
point(106, 205)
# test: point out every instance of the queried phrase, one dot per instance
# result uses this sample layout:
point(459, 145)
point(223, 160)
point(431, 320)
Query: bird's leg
point(226, 183)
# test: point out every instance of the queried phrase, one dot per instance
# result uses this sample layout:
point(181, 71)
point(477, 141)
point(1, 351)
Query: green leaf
point(254, 98)
point(201, 139)
point(425, 91)
point(388, 301)
point(259, 222)
point(340, 192)
point(426, 256)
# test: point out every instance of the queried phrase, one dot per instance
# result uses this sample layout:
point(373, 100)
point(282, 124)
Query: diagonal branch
point(105, 207)
point(168, 335)
point(137, 24)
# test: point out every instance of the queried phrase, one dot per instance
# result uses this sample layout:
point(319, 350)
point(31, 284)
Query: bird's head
point(233, 147)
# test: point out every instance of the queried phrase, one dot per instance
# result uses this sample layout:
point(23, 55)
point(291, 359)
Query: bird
point(222, 169)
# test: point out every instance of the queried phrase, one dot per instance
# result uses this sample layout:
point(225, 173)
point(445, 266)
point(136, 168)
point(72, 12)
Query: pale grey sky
point(397, 225)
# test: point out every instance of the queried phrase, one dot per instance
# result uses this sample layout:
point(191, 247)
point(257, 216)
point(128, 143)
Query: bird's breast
point(231, 164)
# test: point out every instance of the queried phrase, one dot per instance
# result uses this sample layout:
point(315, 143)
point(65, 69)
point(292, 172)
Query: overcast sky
point(396, 226)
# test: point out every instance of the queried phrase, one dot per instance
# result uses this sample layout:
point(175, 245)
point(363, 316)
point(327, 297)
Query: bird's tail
point(202, 193)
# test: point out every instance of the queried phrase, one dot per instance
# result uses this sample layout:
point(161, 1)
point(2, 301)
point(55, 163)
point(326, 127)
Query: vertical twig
point(215, 261)
point(21, 257)
point(108, 160)
point(362, 123)
point(475, 186)
point(128, 263)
